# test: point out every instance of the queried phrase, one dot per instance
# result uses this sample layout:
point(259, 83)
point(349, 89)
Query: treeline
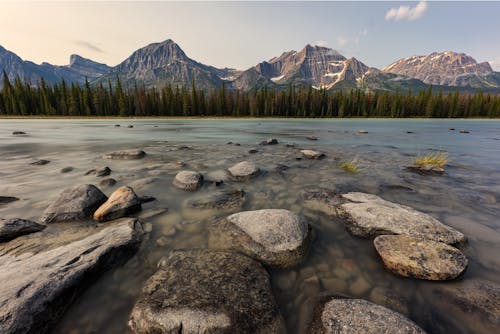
point(21, 99)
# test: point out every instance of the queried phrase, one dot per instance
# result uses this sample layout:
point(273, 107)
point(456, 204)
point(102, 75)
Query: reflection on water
point(465, 198)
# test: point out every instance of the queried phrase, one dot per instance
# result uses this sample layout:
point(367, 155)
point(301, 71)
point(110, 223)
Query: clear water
point(467, 198)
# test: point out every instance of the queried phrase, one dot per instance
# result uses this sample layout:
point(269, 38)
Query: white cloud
point(407, 12)
point(321, 43)
point(495, 64)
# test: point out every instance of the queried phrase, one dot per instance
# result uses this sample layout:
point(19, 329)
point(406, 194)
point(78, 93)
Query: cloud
point(321, 43)
point(89, 46)
point(495, 64)
point(407, 12)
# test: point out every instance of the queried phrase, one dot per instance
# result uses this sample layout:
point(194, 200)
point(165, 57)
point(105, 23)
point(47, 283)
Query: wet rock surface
point(201, 291)
point(244, 170)
point(105, 171)
point(322, 199)
point(221, 199)
point(126, 154)
point(15, 227)
point(188, 180)
point(122, 202)
point(423, 259)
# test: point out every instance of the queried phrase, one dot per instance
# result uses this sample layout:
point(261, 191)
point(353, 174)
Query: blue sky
point(241, 34)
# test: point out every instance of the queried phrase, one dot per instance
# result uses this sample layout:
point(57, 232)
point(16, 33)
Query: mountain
point(78, 69)
point(447, 69)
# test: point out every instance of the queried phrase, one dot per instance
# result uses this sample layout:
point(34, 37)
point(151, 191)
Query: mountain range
point(158, 64)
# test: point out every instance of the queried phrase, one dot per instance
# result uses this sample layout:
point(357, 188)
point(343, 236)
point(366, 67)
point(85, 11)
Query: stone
point(218, 176)
point(202, 291)
point(43, 273)
point(188, 180)
point(359, 287)
point(147, 199)
point(105, 171)
point(117, 125)
point(7, 199)
point(311, 154)
point(40, 162)
point(74, 204)
point(130, 126)
point(313, 138)
point(219, 200)
point(15, 227)
point(362, 132)
point(426, 169)
point(108, 182)
point(275, 237)
point(352, 316)
point(122, 202)
point(253, 151)
point(244, 170)
point(126, 154)
point(322, 199)
point(419, 258)
point(464, 131)
point(67, 169)
point(19, 133)
point(368, 216)
point(270, 141)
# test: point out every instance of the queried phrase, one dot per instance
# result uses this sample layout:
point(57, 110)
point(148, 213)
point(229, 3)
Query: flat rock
point(368, 215)
point(74, 204)
point(220, 200)
point(188, 180)
point(8, 199)
point(122, 202)
point(244, 170)
point(322, 199)
point(418, 258)
point(311, 154)
point(426, 169)
point(126, 154)
point(15, 227)
point(276, 237)
point(354, 316)
point(43, 273)
point(202, 291)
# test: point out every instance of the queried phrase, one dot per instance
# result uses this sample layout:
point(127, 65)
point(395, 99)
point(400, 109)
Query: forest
point(18, 98)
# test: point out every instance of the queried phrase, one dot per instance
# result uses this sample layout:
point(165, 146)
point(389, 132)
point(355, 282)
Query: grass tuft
point(349, 166)
point(439, 159)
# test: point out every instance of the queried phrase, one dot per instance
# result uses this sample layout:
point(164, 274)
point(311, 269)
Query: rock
point(200, 291)
point(426, 169)
point(410, 132)
point(43, 273)
point(359, 287)
point(130, 126)
point(362, 132)
point(188, 180)
point(126, 154)
point(253, 151)
point(147, 199)
point(321, 199)
point(66, 169)
point(117, 125)
point(290, 145)
point(19, 133)
point(105, 171)
point(367, 215)
point(270, 141)
point(244, 170)
point(74, 204)
point(15, 227)
point(418, 258)
point(311, 154)
point(451, 129)
point(176, 164)
point(313, 138)
point(40, 162)
point(7, 199)
point(276, 237)
point(351, 316)
point(464, 131)
point(218, 200)
point(90, 171)
point(109, 182)
point(122, 202)
point(218, 176)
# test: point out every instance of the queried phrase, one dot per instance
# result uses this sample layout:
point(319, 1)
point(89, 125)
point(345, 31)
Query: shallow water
point(466, 198)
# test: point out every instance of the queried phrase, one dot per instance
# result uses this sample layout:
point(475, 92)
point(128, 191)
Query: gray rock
point(354, 316)
point(253, 151)
point(418, 258)
point(8, 199)
point(109, 182)
point(368, 215)
point(122, 202)
point(218, 200)
point(43, 273)
point(321, 199)
point(74, 204)
point(66, 169)
point(15, 227)
point(244, 170)
point(276, 237)
point(200, 291)
point(311, 154)
point(188, 180)
point(126, 154)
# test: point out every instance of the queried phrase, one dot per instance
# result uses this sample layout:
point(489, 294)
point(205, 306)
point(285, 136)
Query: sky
point(242, 34)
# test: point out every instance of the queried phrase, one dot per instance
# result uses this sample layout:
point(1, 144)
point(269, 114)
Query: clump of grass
point(439, 159)
point(349, 166)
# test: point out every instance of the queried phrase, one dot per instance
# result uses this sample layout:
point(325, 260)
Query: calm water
point(467, 198)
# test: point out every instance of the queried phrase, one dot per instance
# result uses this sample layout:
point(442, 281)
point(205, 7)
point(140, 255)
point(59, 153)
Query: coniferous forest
point(22, 99)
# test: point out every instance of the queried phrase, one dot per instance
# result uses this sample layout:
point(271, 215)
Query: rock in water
point(424, 259)
point(218, 200)
point(276, 237)
point(321, 199)
point(40, 162)
point(201, 291)
point(311, 154)
point(356, 316)
point(44, 273)
point(19, 133)
point(74, 204)
point(15, 227)
point(66, 169)
point(105, 171)
point(122, 202)
point(109, 182)
point(426, 169)
point(126, 155)
point(188, 180)
point(368, 215)
point(7, 199)
point(270, 141)
point(244, 170)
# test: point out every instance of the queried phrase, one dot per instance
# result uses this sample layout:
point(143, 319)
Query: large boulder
point(276, 237)
point(122, 202)
point(368, 215)
point(43, 273)
point(15, 227)
point(74, 204)
point(420, 258)
point(244, 170)
point(201, 291)
point(126, 154)
point(188, 180)
point(353, 316)
point(218, 200)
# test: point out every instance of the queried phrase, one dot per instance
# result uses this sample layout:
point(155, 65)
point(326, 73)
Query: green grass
point(349, 166)
point(439, 159)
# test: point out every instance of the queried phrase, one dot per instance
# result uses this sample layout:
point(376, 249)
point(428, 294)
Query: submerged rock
point(126, 154)
point(311, 154)
point(40, 162)
point(275, 237)
point(7, 199)
point(368, 216)
point(321, 199)
point(109, 182)
point(122, 202)
point(353, 316)
point(424, 259)
point(244, 170)
point(105, 171)
point(43, 273)
point(201, 291)
point(14, 227)
point(74, 204)
point(218, 200)
point(188, 180)
point(67, 169)
point(426, 169)
point(270, 141)
point(19, 133)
